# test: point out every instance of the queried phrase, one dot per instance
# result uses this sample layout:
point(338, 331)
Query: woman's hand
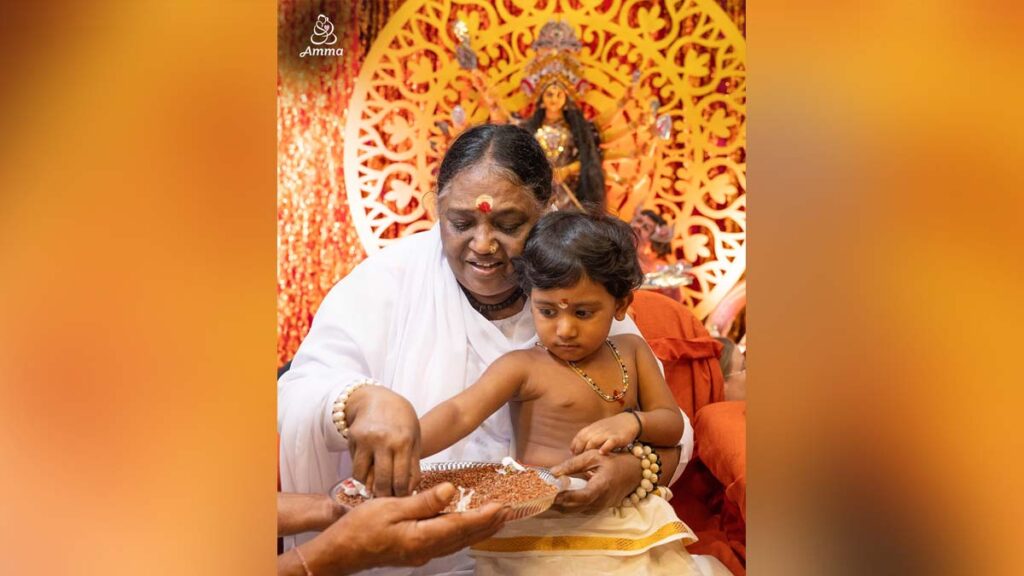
point(607, 434)
point(397, 532)
point(610, 478)
point(297, 513)
point(384, 439)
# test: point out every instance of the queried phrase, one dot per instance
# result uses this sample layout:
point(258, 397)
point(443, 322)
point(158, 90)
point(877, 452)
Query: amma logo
point(323, 34)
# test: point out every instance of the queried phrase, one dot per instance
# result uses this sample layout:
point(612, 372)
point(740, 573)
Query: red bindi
point(484, 203)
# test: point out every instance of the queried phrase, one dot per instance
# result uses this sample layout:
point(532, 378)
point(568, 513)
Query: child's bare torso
point(555, 402)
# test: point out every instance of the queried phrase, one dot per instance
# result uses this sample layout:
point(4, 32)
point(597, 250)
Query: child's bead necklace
point(616, 395)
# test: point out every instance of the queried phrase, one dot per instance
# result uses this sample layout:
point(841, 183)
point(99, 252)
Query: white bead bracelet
point(339, 405)
point(651, 465)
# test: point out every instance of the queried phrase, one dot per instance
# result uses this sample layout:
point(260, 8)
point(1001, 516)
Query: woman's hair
point(511, 149)
point(565, 246)
point(660, 248)
point(590, 183)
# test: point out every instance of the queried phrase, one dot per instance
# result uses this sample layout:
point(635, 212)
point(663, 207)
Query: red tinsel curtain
point(316, 243)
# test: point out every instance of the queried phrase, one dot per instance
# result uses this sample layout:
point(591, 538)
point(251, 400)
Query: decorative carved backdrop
point(691, 59)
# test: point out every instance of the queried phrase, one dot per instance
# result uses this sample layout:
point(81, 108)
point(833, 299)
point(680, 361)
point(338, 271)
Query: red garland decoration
point(317, 244)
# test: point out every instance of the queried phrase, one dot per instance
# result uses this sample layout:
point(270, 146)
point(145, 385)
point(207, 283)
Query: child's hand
point(606, 434)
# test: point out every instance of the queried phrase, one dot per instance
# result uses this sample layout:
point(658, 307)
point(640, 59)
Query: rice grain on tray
point(485, 483)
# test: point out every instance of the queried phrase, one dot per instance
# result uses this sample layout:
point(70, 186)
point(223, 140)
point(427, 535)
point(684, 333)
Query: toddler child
point(578, 389)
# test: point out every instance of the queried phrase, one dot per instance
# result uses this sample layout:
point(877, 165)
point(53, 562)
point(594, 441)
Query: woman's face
point(554, 99)
point(479, 239)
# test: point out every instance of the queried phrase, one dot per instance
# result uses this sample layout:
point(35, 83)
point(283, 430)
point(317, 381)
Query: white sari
point(400, 318)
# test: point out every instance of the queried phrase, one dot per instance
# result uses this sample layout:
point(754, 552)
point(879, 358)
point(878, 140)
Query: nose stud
point(494, 247)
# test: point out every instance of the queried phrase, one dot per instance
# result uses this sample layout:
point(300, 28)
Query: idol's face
point(554, 99)
point(485, 219)
point(573, 323)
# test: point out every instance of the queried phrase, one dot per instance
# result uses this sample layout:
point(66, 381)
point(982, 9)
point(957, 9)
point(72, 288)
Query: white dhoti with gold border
point(648, 539)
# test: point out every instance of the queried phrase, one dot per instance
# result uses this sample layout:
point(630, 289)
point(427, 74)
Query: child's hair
point(564, 246)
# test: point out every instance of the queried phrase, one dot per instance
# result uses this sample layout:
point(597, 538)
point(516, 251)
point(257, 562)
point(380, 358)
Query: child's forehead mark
point(563, 303)
point(484, 203)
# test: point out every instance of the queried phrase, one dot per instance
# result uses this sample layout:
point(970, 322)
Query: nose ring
point(494, 247)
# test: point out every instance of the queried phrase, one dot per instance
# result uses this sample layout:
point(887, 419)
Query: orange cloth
point(720, 433)
point(698, 501)
point(683, 345)
point(694, 374)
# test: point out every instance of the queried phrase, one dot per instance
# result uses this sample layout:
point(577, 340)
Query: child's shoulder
point(628, 342)
point(523, 356)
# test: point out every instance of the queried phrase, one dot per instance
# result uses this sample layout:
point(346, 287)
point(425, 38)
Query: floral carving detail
point(412, 97)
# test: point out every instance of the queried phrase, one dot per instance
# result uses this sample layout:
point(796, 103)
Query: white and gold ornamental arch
point(691, 60)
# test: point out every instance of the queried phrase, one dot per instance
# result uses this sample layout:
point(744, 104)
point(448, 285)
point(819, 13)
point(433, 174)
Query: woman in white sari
point(419, 322)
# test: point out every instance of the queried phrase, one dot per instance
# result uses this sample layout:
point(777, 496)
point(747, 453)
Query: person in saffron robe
point(655, 237)
point(654, 250)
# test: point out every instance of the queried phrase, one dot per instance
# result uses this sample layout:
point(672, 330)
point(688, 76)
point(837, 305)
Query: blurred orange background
point(137, 235)
point(137, 231)
point(884, 177)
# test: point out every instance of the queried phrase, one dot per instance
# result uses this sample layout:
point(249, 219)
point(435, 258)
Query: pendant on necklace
point(616, 396)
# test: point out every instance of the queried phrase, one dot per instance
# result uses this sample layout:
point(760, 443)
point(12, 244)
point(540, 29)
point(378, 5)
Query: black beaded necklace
point(485, 308)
